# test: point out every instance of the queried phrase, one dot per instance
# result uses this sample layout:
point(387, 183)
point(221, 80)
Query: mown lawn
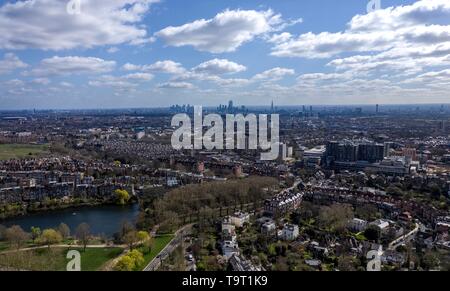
point(18, 151)
point(159, 243)
point(4, 246)
point(54, 259)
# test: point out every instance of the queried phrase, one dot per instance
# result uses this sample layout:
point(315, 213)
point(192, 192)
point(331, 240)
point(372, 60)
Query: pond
point(101, 219)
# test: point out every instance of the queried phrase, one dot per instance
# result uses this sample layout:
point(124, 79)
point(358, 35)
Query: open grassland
point(19, 151)
point(54, 259)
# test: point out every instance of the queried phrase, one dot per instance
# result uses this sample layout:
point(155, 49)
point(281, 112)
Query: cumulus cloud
point(10, 63)
point(219, 67)
point(423, 23)
point(274, 74)
point(45, 24)
point(225, 32)
point(63, 66)
point(131, 67)
point(280, 37)
point(139, 77)
point(126, 83)
point(176, 85)
point(167, 66)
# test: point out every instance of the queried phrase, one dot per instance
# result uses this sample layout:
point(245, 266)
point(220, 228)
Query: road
point(401, 240)
point(169, 248)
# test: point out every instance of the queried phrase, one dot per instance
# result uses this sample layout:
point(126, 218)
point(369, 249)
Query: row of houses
point(283, 203)
point(426, 213)
point(24, 195)
point(230, 247)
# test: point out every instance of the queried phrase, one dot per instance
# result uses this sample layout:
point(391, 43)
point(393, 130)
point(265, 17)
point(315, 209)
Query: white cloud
point(274, 74)
point(219, 67)
point(225, 32)
point(10, 63)
point(14, 83)
point(167, 66)
point(176, 85)
point(139, 77)
point(421, 24)
point(62, 66)
point(131, 67)
point(280, 38)
point(45, 24)
point(113, 50)
point(66, 84)
point(126, 82)
point(41, 81)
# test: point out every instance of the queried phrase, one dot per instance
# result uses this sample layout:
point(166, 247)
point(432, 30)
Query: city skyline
point(150, 53)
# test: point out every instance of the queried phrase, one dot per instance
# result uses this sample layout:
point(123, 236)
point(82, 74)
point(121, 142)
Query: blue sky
point(150, 53)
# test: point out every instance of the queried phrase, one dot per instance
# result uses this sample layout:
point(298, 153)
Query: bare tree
point(83, 233)
point(131, 238)
point(16, 236)
point(64, 230)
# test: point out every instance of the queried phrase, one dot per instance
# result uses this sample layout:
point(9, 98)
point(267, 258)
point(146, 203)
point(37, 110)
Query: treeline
point(206, 197)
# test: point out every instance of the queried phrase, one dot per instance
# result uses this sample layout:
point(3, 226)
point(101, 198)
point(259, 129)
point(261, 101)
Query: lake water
point(102, 219)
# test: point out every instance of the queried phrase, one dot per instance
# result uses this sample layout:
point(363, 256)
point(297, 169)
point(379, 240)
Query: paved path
point(399, 241)
point(169, 248)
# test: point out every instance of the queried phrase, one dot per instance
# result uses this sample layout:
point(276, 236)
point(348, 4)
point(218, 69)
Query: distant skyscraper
point(271, 107)
point(230, 105)
point(442, 126)
point(378, 109)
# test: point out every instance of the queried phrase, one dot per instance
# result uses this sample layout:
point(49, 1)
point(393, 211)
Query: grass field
point(159, 243)
point(55, 259)
point(18, 151)
point(4, 246)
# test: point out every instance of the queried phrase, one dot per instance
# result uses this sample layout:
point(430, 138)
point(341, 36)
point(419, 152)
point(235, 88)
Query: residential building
point(290, 232)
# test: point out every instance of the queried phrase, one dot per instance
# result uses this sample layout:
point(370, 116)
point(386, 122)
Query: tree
point(430, 261)
point(143, 236)
point(367, 212)
point(2, 232)
point(16, 236)
point(35, 233)
point(394, 191)
point(137, 257)
point(146, 240)
point(122, 196)
point(372, 233)
point(83, 233)
point(50, 237)
point(131, 238)
point(64, 230)
point(335, 217)
point(125, 227)
point(125, 263)
point(346, 263)
point(130, 261)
